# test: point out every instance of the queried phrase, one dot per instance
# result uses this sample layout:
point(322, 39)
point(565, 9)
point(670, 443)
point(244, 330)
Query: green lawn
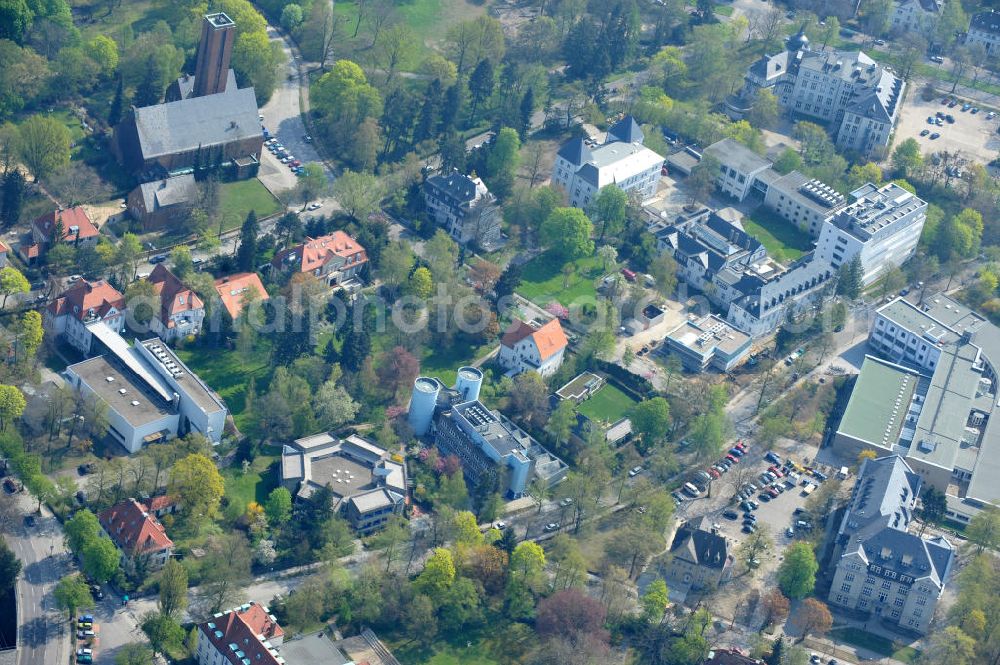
point(474, 650)
point(237, 199)
point(780, 237)
point(876, 643)
point(442, 362)
point(428, 19)
point(543, 281)
point(228, 373)
point(609, 404)
point(254, 485)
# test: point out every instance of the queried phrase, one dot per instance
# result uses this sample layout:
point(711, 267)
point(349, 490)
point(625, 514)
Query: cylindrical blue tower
point(469, 381)
point(422, 402)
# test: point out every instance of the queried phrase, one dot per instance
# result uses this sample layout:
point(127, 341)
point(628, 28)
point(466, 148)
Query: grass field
point(429, 20)
point(876, 643)
point(254, 485)
point(228, 372)
point(237, 199)
point(780, 237)
point(472, 650)
point(609, 404)
point(542, 280)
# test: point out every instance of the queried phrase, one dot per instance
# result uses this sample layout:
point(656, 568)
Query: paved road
point(282, 117)
point(43, 631)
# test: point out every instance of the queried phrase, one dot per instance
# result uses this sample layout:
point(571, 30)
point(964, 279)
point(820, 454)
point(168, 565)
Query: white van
point(691, 490)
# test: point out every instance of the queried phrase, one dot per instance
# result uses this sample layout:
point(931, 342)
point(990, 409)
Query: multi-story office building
point(706, 342)
point(933, 400)
point(857, 98)
point(739, 167)
point(882, 226)
point(881, 568)
point(581, 171)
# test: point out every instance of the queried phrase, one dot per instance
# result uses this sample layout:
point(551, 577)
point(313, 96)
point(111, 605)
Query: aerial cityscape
point(499, 332)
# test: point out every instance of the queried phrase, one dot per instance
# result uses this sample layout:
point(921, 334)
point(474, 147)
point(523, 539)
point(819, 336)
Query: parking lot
point(974, 136)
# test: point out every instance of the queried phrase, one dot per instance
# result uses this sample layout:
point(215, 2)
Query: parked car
point(97, 592)
point(29, 520)
point(315, 206)
point(950, 119)
point(732, 458)
point(565, 503)
point(930, 120)
point(678, 497)
point(552, 526)
point(730, 514)
point(790, 532)
point(937, 59)
point(714, 473)
point(749, 528)
point(772, 456)
point(634, 471)
point(925, 132)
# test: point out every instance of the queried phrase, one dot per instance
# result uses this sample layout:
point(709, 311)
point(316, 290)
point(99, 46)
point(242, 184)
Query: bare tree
point(382, 15)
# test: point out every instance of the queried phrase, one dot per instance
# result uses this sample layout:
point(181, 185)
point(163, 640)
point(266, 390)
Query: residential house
point(181, 310)
point(581, 171)
point(699, 557)
point(916, 16)
point(529, 346)
point(162, 203)
point(245, 634)
point(235, 290)
point(143, 541)
point(77, 230)
point(464, 207)
point(881, 569)
point(984, 30)
point(84, 303)
point(333, 259)
point(855, 96)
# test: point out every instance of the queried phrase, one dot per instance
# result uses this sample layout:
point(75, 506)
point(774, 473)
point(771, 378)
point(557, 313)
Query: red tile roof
point(246, 627)
point(549, 338)
point(175, 297)
point(4, 248)
point(85, 300)
point(233, 288)
point(69, 218)
point(159, 502)
point(316, 252)
point(133, 529)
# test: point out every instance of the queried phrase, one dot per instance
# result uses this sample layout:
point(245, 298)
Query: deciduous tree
point(813, 617)
point(45, 144)
point(198, 485)
point(567, 233)
point(797, 573)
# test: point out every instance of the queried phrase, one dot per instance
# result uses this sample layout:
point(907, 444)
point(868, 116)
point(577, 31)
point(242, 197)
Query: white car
point(315, 206)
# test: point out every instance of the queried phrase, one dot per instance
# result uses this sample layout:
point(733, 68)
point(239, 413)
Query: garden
point(546, 278)
point(607, 405)
point(783, 240)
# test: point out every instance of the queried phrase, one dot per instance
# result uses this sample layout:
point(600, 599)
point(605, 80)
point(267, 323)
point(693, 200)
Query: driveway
point(43, 631)
point(282, 117)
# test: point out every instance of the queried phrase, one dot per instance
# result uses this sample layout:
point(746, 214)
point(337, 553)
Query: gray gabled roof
point(186, 125)
point(626, 130)
point(694, 544)
point(168, 192)
point(576, 152)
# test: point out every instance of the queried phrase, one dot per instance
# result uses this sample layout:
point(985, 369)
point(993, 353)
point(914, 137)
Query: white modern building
point(581, 171)
point(803, 201)
point(532, 346)
point(150, 394)
point(739, 167)
point(708, 341)
point(882, 226)
point(882, 570)
point(932, 397)
point(857, 98)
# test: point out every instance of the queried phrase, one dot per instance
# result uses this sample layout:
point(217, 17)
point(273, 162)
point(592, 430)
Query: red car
point(733, 458)
point(296, 163)
point(742, 446)
point(773, 492)
point(714, 473)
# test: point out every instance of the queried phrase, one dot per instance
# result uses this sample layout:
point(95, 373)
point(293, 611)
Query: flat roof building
point(708, 341)
point(367, 485)
point(150, 394)
point(946, 422)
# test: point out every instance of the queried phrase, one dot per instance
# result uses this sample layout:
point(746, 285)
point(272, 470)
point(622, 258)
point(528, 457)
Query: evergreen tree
point(330, 354)
point(481, 84)
point(509, 280)
point(851, 279)
point(13, 197)
point(527, 109)
point(150, 89)
point(246, 255)
point(117, 104)
point(774, 658)
point(430, 113)
point(452, 109)
point(356, 349)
